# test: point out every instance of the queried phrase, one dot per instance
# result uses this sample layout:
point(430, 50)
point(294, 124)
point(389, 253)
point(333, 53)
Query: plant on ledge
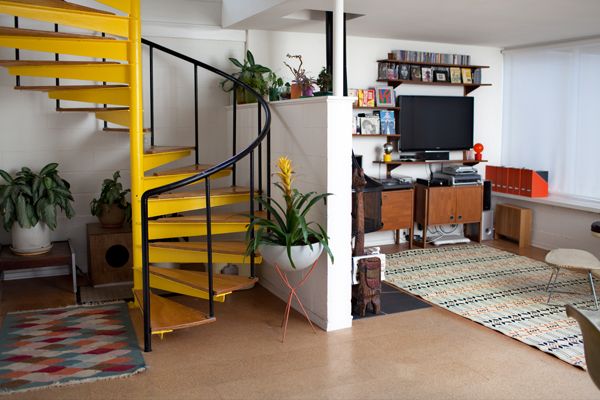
point(303, 83)
point(251, 74)
point(28, 205)
point(112, 208)
point(324, 82)
point(287, 239)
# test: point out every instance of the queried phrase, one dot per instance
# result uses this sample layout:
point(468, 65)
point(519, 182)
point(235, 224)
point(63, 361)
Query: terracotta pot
point(296, 91)
point(111, 216)
point(303, 256)
point(30, 241)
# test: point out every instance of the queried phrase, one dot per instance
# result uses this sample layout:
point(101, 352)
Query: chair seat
point(573, 259)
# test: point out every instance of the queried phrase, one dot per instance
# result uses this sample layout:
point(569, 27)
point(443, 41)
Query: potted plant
point(251, 74)
point(287, 239)
point(324, 82)
point(275, 85)
point(303, 84)
point(28, 205)
point(112, 208)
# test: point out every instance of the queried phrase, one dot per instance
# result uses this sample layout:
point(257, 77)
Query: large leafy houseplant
point(288, 226)
point(112, 208)
point(250, 73)
point(29, 204)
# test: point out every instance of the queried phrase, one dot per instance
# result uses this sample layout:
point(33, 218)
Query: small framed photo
point(440, 76)
point(369, 126)
point(455, 75)
point(404, 72)
point(415, 73)
point(427, 74)
point(384, 96)
point(466, 75)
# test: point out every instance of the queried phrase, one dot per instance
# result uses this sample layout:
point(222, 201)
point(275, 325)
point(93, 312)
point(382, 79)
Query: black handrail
point(263, 133)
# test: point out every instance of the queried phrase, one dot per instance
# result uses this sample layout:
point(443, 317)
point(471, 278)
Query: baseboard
point(45, 272)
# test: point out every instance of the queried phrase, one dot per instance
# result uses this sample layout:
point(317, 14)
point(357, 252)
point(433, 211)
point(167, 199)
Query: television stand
point(432, 155)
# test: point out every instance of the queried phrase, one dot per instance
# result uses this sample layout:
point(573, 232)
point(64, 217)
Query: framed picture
point(404, 73)
point(466, 75)
point(384, 96)
point(440, 76)
point(415, 73)
point(427, 74)
point(369, 98)
point(353, 93)
point(369, 126)
point(455, 75)
point(388, 122)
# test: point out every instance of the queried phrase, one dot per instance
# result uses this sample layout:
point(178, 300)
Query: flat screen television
point(435, 123)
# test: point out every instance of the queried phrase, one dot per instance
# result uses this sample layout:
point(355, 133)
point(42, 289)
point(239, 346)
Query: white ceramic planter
point(35, 240)
point(303, 256)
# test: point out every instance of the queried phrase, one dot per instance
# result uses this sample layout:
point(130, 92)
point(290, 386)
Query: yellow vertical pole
point(136, 133)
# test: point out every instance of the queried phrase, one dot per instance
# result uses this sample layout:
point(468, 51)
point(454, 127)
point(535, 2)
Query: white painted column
point(338, 48)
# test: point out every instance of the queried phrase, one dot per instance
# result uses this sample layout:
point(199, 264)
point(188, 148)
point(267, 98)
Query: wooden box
point(514, 223)
point(110, 258)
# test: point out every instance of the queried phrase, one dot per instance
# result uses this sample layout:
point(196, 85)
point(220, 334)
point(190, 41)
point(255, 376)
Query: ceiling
point(496, 23)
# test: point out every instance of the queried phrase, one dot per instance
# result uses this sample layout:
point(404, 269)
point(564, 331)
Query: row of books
point(518, 181)
point(406, 72)
point(428, 57)
point(378, 123)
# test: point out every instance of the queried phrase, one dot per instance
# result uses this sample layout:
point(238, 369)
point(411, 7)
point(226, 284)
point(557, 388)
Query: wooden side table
point(61, 254)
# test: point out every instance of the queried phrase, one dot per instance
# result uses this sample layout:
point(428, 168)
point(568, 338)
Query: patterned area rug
point(67, 345)
point(500, 290)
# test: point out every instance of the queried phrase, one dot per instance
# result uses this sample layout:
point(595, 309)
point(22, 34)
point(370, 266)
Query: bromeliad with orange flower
point(287, 229)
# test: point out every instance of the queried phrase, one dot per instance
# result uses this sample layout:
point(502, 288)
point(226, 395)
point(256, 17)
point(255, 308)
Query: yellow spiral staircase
point(113, 92)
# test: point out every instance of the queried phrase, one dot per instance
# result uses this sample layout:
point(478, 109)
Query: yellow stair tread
point(168, 315)
point(126, 130)
point(226, 191)
point(36, 63)
point(216, 217)
point(49, 34)
point(221, 247)
point(67, 87)
point(90, 109)
point(188, 169)
point(199, 280)
point(57, 4)
point(166, 149)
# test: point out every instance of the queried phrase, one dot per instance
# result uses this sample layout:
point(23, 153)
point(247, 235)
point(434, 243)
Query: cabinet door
point(397, 209)
point(442, 206)
point(469, 204)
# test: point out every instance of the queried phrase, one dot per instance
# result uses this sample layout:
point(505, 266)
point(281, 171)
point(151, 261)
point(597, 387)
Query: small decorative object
point(369, 97)
point(275, 85)
point(287, 239)
point(368, 290)
point(286, 92)
point(369, 125)
point(427, 74)
point(440, 76)
point(384, 96)
point(382, 71)
point(361, 98)
point(353, 93)
point(455, 75)
point(28, 205)
point(404, 72)
point(466, 75)
point(325, 82)
point(251, 74)
point(477, 76)
point(415, 73)
point(392, 72)
point(112, 208)
point(300, 78)
point(391, 56)
point(478, 148)
point(388, 148)
point(388, 122)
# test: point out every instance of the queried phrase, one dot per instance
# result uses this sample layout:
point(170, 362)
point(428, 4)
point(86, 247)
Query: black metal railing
point(255, 145)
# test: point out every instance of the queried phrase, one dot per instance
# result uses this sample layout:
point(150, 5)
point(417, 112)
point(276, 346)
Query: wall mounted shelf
point(391, 165)
point(468, 87)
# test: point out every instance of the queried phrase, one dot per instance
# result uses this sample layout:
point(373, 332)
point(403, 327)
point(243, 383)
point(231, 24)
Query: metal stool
point(574, 260)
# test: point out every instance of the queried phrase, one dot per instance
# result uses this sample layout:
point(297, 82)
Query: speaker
point(487, 225)
point(110, 259)
point(487, 195)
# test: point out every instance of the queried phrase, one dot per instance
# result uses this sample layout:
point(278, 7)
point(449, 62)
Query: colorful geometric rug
point(499, 290)
point(67, 345)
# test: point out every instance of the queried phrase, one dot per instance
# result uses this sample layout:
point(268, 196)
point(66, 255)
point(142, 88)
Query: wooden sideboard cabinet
point(397, 212)
point(448, 205)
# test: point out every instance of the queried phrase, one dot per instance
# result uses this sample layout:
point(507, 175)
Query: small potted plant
point(287, 239)
point(112, 208)
point(251, 74)
point(303, 84)
point(275, 85)
point(28, 206)
point(324, 82)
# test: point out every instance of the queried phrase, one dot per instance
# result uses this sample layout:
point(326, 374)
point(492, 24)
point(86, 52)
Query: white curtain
point(552, 115)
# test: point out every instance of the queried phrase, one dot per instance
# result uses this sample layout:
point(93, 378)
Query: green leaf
point(48, 216)
point(250, 57)
point(48, 183)
point(6, 176)
point(236, 62)
point(48, 169)
point(22, 216)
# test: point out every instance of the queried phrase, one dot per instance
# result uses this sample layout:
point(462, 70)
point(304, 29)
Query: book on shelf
point(430, 57)
point(369, 97)
point(477, 76)
point(388, 122)
point(353, 93)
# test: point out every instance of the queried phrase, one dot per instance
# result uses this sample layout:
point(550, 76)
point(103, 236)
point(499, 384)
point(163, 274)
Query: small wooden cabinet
point(514, 223)
point(448, 205)
point(397, 212)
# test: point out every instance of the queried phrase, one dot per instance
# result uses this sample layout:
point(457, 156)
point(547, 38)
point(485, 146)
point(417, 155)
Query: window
point(552, 115)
